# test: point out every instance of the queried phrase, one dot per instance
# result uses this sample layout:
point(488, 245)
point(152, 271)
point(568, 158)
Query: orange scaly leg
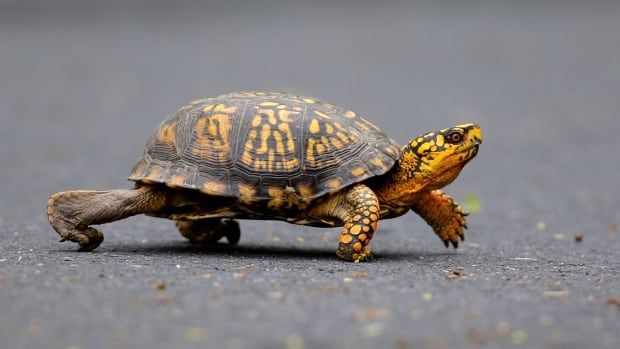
point(445, 216)
point(360, 215)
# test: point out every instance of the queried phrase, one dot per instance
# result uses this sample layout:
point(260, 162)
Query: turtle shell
point(261, 146)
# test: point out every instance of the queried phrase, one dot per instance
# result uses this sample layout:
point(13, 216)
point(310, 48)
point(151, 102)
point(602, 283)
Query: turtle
point(279, 156)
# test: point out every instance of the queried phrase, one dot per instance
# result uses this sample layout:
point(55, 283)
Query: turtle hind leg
point(210, 231)
point(72, 212)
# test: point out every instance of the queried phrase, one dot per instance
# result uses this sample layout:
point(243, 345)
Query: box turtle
point(264, 155)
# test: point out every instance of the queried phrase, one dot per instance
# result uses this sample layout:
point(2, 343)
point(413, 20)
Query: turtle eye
point(455, 136)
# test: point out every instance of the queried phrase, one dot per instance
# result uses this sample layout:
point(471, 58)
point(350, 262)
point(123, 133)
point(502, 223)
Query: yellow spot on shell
point(212, 129)
point(271, 115)
point(291, 164)
point(337, 143)
point(256, 120)
point(264, 139)
point(212, 134)
point(349, 114)
point(275, 192)
point(176, 180)
point(310, 151)
point(305, 190)
point(321, 114)
point(213, 187)
point(285, 115)
point(377, 161)
point(343, 137)
point(268, 104)
point(279, 143)
point(329, 129)
point(309, 101)
point(320, 148)
point(138, 169)
point(167, 134)
point(278, 195)
point(334, 183)
point(221, 108)
point(154, 174)
point(207, 108)
point(358, 171)
point(246, 190)
point(290, 143)
point(314, 126)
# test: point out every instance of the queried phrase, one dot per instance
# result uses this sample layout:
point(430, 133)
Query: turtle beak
point(475, 133)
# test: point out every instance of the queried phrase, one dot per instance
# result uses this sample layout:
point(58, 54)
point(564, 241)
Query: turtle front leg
point(444, 215)
point(72, 212)
point(210, 231)
point(358, 209)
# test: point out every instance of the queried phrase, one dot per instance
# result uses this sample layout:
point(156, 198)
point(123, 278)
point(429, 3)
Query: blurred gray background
point(83, 84)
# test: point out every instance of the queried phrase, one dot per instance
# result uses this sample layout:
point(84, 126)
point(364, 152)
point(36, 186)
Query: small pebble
point(579, 238)
point(559, 236)
point(613, 301)
point(160, 287)
point(294, 341)
point(195, 334)
point(371, 314)
point(557, 294)
point(373, 330)
point(518, 337)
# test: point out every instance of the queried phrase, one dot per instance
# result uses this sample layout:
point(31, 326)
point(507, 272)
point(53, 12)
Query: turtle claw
point(88, 239)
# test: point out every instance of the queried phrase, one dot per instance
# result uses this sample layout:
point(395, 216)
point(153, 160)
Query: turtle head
point(435, 159)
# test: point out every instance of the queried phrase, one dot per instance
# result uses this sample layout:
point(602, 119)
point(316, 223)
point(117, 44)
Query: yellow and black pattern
point(360, 225)
point(264, 146)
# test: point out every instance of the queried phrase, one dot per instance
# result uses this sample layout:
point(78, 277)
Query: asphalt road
point(82, 87)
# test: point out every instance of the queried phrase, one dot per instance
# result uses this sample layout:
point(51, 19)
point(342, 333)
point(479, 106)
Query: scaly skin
point(360, 223)
point(70, 213)
point(445, 216)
